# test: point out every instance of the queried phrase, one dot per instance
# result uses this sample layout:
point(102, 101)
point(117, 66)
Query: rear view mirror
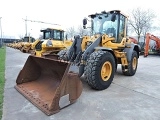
point(84, 23)
point(113, 18)
point(66, 36)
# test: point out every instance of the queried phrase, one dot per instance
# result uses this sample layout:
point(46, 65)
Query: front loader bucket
point(47, 84)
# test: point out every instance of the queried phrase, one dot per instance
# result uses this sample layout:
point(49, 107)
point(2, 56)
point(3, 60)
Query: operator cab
point(55, 34)
point(112, 23)
point(29, 39)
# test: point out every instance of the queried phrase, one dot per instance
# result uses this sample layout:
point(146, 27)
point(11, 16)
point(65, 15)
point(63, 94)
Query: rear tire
point(132, 65)
point(100, 70)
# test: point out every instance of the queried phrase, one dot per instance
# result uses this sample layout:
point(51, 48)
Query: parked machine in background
point(150, 37)
point(133, 40)
point(27, 44)
point(18, 44)
point(53, 41)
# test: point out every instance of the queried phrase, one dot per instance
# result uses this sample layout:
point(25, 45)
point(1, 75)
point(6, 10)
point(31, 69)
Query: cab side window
point(122, 27)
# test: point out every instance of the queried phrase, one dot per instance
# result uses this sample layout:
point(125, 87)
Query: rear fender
point(130, 50)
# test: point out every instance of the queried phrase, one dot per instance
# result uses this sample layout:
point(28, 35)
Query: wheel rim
point(134, 63)
point(106, 71)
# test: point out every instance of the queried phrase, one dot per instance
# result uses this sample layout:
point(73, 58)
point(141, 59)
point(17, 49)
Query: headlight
point(110, 34)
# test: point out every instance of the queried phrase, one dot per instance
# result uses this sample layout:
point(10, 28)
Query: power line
point(40, 22)
point(26, 20)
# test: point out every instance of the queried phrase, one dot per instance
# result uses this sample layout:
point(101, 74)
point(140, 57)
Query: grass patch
point(2, 78)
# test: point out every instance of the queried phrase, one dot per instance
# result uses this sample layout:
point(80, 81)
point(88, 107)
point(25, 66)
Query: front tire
point(63, 55)
point(100, 70)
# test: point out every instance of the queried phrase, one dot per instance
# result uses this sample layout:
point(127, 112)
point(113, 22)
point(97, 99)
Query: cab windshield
point(102, 24)
point(58, 35)
point(54, 34)
point(26, 39)
point(47, 34)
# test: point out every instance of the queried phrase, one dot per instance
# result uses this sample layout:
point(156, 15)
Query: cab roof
point(50, 29)
point(104, 12)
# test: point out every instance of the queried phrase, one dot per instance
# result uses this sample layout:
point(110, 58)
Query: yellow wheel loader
point(27, 44)
point(13, 44)
point(49, 82)
point(52, 42)
point(99, 61)
point(17, 44)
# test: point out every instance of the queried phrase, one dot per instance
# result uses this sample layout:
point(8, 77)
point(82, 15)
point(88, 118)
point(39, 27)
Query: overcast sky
point(67, 13)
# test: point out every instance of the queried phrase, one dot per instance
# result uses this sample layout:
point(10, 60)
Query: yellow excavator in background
point(49, 83)
point(53, 41)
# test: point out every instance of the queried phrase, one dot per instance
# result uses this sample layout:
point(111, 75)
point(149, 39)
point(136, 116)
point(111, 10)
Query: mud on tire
point(63, 54)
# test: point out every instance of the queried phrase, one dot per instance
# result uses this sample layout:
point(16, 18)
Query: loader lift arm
point(147, 41)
